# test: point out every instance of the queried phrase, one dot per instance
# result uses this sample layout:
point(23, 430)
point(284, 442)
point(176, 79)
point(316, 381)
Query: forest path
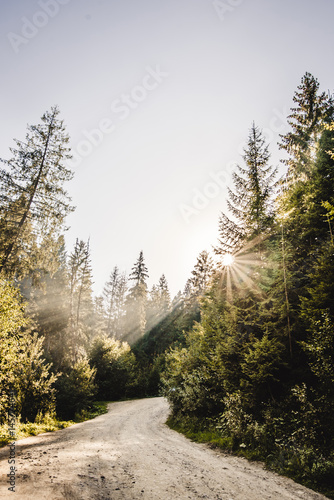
point(129, 453)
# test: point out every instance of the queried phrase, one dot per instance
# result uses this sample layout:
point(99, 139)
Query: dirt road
point(129, 454)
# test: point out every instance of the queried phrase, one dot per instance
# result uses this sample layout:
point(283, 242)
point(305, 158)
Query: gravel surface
point(129, 453)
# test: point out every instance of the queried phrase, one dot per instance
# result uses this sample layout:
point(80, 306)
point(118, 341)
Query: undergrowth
point(303, 466)
point(49, 423)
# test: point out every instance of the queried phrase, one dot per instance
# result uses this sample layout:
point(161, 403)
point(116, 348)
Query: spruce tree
point(81, 303)
point(250, 202)
point(139, 272)
point(201, 274)
point(109, 293)
point(153, 308)
point(301, 208)
point(137, 300)
point(34, 202)
point(158, 304)
point(114, 299)
point(164, 296)
point(306, 120)
point(49, 305)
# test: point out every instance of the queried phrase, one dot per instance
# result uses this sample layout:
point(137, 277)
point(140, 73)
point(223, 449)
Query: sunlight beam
point(228, 260)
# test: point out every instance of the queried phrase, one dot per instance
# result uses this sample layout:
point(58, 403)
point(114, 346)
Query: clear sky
point(158, 97)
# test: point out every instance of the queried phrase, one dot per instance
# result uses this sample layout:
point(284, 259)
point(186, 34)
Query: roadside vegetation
point(244, 354)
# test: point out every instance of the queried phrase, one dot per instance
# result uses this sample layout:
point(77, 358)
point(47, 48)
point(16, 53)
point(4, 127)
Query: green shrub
point(113, 362)
point(76, 390)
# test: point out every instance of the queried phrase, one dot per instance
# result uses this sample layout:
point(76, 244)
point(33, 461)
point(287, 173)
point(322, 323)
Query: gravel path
point(129, 453)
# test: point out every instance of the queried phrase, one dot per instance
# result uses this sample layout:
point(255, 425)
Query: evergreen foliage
point(137, 301)
point(113, 362)
point(250, 204)
point(114, 297)
point(244, 354)
point(34, 203)
point(306, 120)
point(257, 370)
point(76, 390)
point(23, 370)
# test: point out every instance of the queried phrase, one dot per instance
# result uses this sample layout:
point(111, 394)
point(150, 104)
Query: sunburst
point(241, 268)
point(227, 260)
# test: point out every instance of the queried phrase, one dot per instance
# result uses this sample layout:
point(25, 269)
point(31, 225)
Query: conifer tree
point(250, 202)
point(81, 304)
point(114, 298)
point(139, 272)
point(153, 308)
point(155, 297)
point(136, 300)
point(201, 274)
point(306, 120)
point(158, 304)
point(34, 202)
point(164, 295)
point(301, 205)
point(49, 304)
point(187, 292)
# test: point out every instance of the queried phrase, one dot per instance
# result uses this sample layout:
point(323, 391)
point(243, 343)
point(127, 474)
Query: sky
point(158, 97)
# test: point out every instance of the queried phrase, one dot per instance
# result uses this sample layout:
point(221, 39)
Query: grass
point(200, 436)
point(50, 423)
point(98, 408)
point(320, 479)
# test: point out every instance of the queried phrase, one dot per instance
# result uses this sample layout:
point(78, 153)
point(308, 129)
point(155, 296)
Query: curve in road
point(129, 453)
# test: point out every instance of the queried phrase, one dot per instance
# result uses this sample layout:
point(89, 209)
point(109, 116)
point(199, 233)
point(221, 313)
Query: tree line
point(257, 370)
point(61, 347)
point(244, 353)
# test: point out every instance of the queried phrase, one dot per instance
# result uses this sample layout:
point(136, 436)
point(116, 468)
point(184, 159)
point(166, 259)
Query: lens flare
point(228, 259)
point(241, 270)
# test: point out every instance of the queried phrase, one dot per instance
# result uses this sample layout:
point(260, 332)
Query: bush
point(23, 370)
point(76, 390)
point(113, 362)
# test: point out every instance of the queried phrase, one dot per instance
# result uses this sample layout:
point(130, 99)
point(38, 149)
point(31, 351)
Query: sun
point(228, 259)
point(242, 268)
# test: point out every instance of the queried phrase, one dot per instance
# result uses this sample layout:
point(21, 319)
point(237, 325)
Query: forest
point(244, 354)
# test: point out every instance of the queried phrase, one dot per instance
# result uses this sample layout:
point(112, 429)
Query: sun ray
point(242, 268)
point(228, 285)
point(252, 243)
point(243, 275)
point(228, 260)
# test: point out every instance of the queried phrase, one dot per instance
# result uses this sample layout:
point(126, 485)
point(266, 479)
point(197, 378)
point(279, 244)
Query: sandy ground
point(129, 453)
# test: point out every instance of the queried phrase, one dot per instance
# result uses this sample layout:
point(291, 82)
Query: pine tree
point(301, 209)
point(250, 202)
point(81, 304)
point(114, 298)
point(153, 308)
point(164, 296)
point(201, 274)
point(109, 293)
point(136, 300)
point(188, 289)
point(33, 199)
point(158, 304)
point(139, 272)
point(99, 317)
point(317, 314)
point(49, 305)
point(306, 120)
